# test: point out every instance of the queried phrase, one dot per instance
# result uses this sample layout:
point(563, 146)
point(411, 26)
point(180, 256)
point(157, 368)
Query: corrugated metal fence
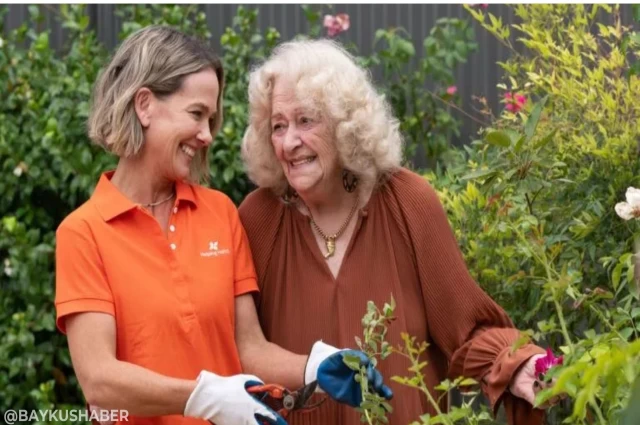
point(478, 77)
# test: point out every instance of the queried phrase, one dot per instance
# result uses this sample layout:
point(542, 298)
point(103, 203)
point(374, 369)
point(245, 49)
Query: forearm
point(139, 391)
point(273, 364)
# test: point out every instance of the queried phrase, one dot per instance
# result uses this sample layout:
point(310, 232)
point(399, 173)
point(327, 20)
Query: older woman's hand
point(526, 384)
point(326, 365)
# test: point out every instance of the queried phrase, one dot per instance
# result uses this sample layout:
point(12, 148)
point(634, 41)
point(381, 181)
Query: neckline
point(362, 212)
point(311, 240)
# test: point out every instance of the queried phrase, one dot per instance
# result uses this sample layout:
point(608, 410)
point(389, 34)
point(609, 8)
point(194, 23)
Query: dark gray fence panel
point(476, 78)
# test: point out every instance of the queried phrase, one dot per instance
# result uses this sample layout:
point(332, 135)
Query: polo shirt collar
point(111, 202)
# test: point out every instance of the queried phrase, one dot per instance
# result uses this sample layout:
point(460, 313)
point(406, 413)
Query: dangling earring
point(349, 181)
point(290, 195)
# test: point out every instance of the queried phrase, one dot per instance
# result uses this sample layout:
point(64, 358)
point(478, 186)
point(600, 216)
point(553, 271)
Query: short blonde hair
point(327, 80)
point(158, 58)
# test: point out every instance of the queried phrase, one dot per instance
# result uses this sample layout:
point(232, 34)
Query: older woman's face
point(302, 142)
point(180, 125)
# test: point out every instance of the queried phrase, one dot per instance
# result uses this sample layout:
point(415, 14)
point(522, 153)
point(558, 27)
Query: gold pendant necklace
point(155, 204)
point(330, 241)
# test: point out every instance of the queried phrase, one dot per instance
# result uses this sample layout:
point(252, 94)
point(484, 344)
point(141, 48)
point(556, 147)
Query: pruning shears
point(284, 401)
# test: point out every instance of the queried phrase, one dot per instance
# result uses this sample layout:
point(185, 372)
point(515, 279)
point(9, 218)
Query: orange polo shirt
point(172, 295)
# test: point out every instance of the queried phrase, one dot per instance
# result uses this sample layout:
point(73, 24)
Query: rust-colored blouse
point(402, 245)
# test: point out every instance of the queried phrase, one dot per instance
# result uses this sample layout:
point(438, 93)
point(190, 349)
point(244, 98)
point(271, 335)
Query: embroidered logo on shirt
point(214, 251)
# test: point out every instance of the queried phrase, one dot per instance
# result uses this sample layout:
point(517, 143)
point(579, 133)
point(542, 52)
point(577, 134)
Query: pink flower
point(451, 90)
point(514, 103)
point(543, 364)
point(336, 24)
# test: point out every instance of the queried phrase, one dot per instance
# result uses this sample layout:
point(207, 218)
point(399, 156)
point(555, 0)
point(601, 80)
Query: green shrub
point(532, 203)
point(425, 118)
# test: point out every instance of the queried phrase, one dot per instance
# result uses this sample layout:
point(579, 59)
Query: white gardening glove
point(326, 365)
point(225, 401)
point(319, 353)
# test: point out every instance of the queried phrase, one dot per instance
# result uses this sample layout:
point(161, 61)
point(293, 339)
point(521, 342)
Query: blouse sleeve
point(472, 330)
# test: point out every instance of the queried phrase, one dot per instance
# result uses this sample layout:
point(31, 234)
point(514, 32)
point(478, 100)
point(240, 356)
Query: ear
point(142, 101)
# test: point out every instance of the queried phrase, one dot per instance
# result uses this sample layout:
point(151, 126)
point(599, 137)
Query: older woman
point(154, 277)
point(336, 221)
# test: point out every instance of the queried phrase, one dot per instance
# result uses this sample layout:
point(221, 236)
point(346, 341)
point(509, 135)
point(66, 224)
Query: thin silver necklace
point(155, 204)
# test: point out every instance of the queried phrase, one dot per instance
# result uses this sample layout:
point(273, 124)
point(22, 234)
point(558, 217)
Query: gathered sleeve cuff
point(490, 356)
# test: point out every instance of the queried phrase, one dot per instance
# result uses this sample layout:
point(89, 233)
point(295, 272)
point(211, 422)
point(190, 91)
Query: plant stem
point(366, 413)
point(456, 107)
point(563, 324)
point(598, 412)
point(425, 390)
point(606, 322)
point(542, 259)
point(423, 387)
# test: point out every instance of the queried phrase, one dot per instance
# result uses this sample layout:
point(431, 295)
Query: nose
point(204, 136)
point(291, 139)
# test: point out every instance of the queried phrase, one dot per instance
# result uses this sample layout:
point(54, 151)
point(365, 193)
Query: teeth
point(303, 161)
point(189, 151)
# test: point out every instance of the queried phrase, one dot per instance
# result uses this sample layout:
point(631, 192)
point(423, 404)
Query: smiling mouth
point(302, 161)
point(188, 151)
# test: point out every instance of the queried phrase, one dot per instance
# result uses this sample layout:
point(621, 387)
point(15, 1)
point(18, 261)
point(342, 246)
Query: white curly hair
point(327, 79)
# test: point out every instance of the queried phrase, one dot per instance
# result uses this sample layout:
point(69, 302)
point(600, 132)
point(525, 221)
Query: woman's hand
point(526, 384)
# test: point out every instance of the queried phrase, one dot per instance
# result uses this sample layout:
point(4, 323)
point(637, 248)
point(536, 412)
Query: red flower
point(336, 24)
point(514, 103)
point(543, 364)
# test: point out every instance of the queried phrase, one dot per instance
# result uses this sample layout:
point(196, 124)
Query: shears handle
point(275, 391)
point(274, 396)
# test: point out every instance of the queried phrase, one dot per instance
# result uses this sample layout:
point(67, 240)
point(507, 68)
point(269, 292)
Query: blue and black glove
point(326, 365)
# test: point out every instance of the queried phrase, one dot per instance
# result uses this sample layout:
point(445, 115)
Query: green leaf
point(478, 174)
point(626, 332)
point(227, 175)
point(352, 362)
point(615, 276)
point(499, 138)
point(635, 12)
point(42, 42)
point(407, 47)
point(634, 69)
point(10, 223)
point(519, 144)
point(632, 412)
point(546, 139)
point(468, 382)
point(373, 345)
point(532, 121)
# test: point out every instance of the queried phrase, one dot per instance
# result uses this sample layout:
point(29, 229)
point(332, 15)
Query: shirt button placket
point(172, 229)
point(180, 284)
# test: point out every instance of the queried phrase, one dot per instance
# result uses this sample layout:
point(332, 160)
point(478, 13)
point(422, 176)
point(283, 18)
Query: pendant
point(331, 248)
